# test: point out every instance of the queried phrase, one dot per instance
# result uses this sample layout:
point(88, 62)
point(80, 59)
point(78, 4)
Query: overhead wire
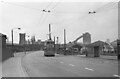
point(42, 17)
point(58, 2)
point(27, 8)
point(22, 6)
point(42, 14)
point(49, 4)
point(50, 9)
point(47, 7)
point(109, 5)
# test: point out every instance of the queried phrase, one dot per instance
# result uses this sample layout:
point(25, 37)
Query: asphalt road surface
point(36, 65)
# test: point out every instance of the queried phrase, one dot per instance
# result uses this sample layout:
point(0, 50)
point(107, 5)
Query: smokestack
point(22, 38)
point(33, 39)
point(50, 32)
point(57, 40)
point(64, 36)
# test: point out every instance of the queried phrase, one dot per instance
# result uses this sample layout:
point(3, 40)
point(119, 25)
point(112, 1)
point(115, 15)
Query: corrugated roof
point(101, 43)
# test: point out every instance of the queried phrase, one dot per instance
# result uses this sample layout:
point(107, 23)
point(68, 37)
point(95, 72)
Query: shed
point(92, 50)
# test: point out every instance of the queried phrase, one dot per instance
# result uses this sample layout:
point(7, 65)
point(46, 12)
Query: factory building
point(5, 52)
point(2, 46)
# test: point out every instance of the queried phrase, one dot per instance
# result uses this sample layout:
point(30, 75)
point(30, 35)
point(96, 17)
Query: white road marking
point(61, 62)
point(116, 75)
point(89, 69)
point(72, 65)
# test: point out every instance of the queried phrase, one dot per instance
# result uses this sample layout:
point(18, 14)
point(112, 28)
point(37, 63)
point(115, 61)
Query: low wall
point(22, 48)
point(7, 51)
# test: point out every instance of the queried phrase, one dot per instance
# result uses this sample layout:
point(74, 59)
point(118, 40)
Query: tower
point(33, 39)
point(86, 38)
point(50, 32)
point(22, 38)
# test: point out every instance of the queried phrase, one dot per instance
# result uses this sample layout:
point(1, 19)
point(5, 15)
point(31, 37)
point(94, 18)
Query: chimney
point(50, 32)
point(22, 38)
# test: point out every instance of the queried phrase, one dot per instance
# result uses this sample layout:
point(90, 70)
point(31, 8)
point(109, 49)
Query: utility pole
point(64, 42)
point(54, 45)
point(57, 46)
point(118, 49)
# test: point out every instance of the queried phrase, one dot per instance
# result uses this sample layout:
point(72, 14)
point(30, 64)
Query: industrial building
point(5, 51)
point(2, 45)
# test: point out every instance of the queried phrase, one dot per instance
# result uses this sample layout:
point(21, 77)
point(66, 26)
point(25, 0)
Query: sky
point(71, 15)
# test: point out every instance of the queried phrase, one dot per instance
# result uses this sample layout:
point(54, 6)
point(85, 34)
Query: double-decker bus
point(49, 49)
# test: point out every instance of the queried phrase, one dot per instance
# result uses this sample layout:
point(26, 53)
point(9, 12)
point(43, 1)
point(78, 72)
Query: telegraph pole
point(57, 46)
point(118, 49)
point(54, 45)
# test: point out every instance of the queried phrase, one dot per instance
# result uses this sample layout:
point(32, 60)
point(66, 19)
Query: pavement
point(108, 57)
point(101, 57)
point(13, 67)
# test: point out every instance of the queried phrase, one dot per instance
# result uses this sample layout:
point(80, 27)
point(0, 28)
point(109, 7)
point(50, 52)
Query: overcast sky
point(70, 15)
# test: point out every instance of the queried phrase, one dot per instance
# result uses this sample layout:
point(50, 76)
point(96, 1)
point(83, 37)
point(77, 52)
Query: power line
point(44, 10)
point(109, 5)
point(49, 4)
point(56, 4)
point(21, 6)
point(50, 8)
point(42, 17)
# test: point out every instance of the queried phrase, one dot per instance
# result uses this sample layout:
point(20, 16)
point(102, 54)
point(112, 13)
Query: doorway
point(96, 51)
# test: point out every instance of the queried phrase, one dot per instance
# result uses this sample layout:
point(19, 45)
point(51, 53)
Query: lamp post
point(12, 36)
point(26, 44)
point(92, 12)
point(46, 10)
point(64, 42)
point(57, 46)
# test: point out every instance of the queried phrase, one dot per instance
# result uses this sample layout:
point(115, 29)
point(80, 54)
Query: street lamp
point(46, 10)
point(12, 36)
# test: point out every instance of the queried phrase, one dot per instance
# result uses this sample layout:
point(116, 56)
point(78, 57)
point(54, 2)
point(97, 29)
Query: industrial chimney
point(50, 32)
point(22, 38)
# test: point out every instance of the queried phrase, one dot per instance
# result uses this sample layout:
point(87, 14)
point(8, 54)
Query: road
point(36, 65)
point(13, 67)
